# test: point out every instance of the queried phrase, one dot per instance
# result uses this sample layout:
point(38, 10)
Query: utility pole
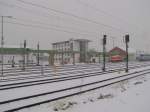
point(62, 56)
point(42, 68)
point(38, 55)
point(2, 42)
point(104, 51)
point(73, 57)
point(13, 62)
point(24, 55)
point(127, 56)
point(99, 54)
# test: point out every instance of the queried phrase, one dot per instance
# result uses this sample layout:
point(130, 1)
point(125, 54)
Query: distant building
point(121, 52)
point(71, 51)
point(16, 55)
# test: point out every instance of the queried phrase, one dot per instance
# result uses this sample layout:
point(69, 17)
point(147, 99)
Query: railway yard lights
point(127, 56)
point(2, 42)
point(104, 51)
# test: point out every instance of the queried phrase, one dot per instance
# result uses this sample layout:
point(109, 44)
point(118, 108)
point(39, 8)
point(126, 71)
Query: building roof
point(13, 50)
point(60, 42)
point(20, 50)
point(117, 48)
point(86, 40)
point(130, 50)
point(83, 40)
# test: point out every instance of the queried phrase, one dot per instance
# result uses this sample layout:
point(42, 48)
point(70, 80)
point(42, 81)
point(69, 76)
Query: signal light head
point(127, 38)
point(104, 39)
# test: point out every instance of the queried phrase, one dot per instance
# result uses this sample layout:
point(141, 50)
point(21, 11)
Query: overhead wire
point(37, 13)
point(54, 25)
point(48, 28)
point(56, 16)
point(10, 5)
point(70, 15)
point(31, 11)
point(100, 11)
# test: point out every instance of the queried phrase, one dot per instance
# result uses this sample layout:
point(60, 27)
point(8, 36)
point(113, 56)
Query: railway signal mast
point(127, 55)
point(104, 51)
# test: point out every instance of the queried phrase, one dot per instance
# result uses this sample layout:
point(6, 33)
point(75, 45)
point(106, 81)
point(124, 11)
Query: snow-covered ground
point(128, 96)
point(117, 97)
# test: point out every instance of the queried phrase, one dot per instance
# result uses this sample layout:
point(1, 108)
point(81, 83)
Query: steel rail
point(40, 82)
point(73, 94)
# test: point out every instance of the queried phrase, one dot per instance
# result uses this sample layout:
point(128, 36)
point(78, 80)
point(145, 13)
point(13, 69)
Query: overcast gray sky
point(49, 21)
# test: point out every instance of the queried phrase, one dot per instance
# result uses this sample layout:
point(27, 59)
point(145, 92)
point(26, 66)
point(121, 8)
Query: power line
point(54, 25)
point(105, 13)
point(10, 5)
point(31, 11)
point(46, 15)
point(69, 14)
point(98, 10)
point(43, 27)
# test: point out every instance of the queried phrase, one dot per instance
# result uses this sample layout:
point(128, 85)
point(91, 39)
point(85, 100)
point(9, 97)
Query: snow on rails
point(17, 95)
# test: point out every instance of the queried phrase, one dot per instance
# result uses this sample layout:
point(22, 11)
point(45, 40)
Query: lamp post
point(2, 42)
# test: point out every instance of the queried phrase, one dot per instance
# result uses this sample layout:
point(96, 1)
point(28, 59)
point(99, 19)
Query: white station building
point(72, 50)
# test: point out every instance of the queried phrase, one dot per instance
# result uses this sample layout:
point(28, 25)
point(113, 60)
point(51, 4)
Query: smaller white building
point(17, 55)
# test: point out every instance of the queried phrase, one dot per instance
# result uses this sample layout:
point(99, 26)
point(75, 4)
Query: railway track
point(59, 67)
point(37, 70)
point(68, 71)
point(58, 79)
point(19, 103)
point(29, 75)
